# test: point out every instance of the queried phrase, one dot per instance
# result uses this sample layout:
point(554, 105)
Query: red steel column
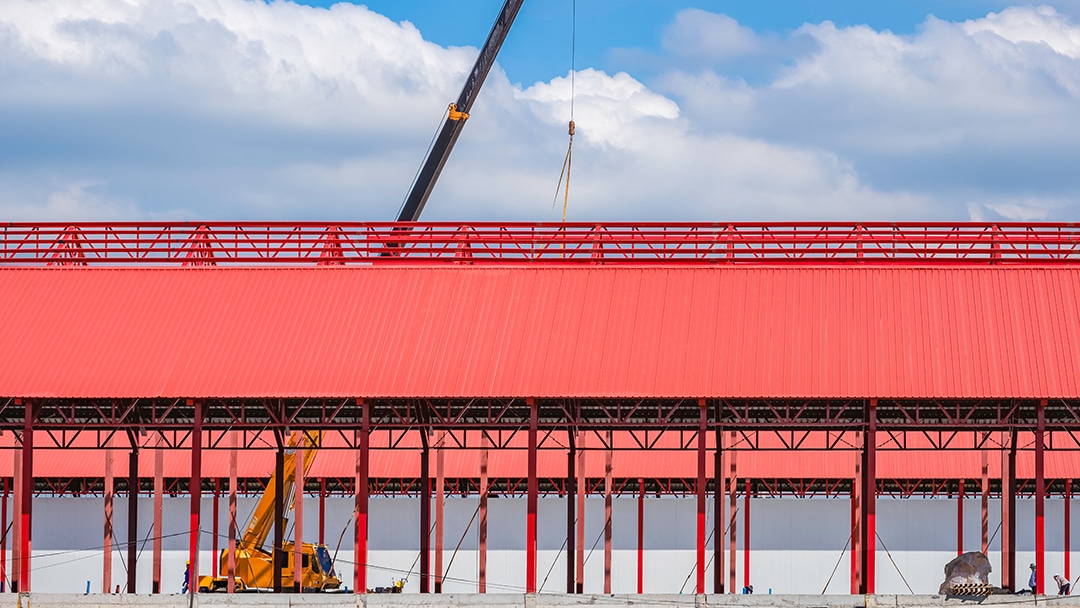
point(16, 522)
point(1068, 516)
point(195, 488)
point(133, 515)
point(298, 517)
point(1040, 496)
point(869, 498)
point(641, 536)
point(960, 518)
point(3, 538)
point(27, 497)
point(571, 482)
point(425, 513)
point(106, 570)
point(607, 515)
point(483, 529)
point(362, 471)
point(440, 507)
point(703, 421)
point(583, 493)
point(719, 532)
point(159, 488)
point(279, 515)
point(1008, 515)
point(214, 525)
point(230, 585)
point(531, 502)
point(985, 502)
point(322, 511)
point(854, 519)
point(746, 536)
point(733, 511)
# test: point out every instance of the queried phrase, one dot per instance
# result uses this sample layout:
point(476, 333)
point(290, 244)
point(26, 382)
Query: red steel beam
point(308, 243)
point(531, 500)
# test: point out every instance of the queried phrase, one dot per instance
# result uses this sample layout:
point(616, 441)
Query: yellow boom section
point(262, 520)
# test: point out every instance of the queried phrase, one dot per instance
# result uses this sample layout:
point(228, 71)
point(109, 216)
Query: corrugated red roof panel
point(825, 332)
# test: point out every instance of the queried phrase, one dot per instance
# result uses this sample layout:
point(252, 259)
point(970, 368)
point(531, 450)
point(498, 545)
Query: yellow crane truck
point(254, 562)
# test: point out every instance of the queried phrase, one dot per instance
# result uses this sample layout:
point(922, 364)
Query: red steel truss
point(715, 431)
point(387, 243)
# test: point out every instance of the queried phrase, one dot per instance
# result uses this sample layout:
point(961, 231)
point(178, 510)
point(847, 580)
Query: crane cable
point(570, 147)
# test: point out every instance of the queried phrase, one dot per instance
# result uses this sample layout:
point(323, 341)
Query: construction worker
point(1063, 585)
point(187, 577)
point(1032, 579)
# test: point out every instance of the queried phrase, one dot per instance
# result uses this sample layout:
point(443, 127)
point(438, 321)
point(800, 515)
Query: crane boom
point(262, 519)
point(459, 112)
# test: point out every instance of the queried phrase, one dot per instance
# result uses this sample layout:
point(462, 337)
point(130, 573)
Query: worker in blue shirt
point(1031, 580)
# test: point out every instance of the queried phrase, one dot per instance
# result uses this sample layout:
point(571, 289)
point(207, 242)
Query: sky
point(721, 110)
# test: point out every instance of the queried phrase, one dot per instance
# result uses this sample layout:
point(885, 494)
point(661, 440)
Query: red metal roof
point(449, 331)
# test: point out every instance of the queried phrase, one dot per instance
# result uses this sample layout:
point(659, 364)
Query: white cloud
point(234, 109)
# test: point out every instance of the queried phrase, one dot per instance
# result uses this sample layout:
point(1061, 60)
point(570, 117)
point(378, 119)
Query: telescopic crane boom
point(459, 112)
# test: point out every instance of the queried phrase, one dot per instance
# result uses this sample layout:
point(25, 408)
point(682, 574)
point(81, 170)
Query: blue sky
point(729, 110)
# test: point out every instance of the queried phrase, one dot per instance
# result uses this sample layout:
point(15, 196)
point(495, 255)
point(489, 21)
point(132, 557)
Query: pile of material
point(968, 574)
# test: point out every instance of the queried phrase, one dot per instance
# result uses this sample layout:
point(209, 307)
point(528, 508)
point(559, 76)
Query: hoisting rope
point(840, 559)
point(887, 552)
point(570, 129)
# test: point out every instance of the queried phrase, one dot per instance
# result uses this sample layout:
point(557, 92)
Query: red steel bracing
point(1040, 497)
point(531, 501)
point(195, 494)
point(389, 243)
point(363, 459)
point(703, 421)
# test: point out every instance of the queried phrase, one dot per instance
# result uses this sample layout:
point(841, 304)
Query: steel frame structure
point(708, 426)
point(395, 243)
